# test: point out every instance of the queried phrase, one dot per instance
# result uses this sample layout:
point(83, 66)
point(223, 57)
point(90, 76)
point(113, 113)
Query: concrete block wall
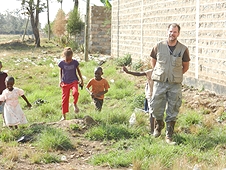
point(100, 30)
point(137, 25)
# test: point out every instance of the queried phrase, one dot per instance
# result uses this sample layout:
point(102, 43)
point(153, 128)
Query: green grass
point(46, 158)
point(111, 132)
point(53, 139)
point(198, 141)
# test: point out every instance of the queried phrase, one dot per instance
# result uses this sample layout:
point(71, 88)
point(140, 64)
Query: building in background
point(137, 25)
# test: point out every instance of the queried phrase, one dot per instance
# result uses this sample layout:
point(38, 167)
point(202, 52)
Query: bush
point(124, 61)
point(138, 65)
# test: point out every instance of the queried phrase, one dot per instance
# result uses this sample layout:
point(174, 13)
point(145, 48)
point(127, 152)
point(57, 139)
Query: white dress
point(13, 114)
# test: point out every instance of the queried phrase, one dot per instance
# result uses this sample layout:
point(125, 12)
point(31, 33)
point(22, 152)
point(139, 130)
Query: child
point(100, 87)
point(13, 113)
point(3, 75)
point(148, 90)
point(69, 68)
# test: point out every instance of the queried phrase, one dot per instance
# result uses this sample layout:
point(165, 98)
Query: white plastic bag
point(132, 119)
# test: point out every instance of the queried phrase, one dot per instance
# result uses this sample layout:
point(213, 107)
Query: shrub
point(137, 65)
point(124, 61)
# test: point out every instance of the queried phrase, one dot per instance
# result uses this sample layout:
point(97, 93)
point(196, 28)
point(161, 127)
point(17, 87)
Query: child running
point(148, 90)
point(69, 68)
point(13, 113)
point(99, 86)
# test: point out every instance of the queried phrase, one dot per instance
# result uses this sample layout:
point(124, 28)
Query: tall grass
point(54, 139)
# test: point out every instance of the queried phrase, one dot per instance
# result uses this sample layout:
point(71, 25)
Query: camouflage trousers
point(166, 97)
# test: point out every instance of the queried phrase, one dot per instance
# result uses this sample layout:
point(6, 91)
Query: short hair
point(9, 78)
point(174, 25)
point(67, 52)
point(98, 69)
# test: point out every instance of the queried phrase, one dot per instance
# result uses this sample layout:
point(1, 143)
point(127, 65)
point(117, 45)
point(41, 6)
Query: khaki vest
point(169, 66)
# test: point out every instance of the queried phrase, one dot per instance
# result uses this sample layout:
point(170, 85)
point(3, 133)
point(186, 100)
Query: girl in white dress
point(13, 113)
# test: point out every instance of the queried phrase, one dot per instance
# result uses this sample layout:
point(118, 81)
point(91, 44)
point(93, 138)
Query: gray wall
point(100, 30)
point(137, 25)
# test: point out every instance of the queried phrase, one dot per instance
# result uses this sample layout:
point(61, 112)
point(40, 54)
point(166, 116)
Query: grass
point(200, 142)
point(53, 139)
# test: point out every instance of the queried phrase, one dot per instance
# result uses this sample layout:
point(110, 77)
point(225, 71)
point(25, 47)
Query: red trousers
point(66, 88)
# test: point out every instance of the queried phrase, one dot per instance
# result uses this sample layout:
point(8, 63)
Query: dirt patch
point(205, 102)
point(75, 159)
point(16, 44)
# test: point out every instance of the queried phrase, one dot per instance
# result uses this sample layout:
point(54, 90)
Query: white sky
point(67, 6)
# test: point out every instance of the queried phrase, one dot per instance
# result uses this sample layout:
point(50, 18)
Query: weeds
point(54, 139)
point(124, 61)
point(110, 132)
point(199, 141)
point(46, 158)
point(138, 65)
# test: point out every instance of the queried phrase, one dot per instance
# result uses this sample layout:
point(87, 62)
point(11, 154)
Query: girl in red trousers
point(69, 72)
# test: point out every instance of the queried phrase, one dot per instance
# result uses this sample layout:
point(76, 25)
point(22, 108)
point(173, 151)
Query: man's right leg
point(157, 106)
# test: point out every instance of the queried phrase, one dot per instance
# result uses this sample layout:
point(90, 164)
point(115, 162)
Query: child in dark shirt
point(3, 75)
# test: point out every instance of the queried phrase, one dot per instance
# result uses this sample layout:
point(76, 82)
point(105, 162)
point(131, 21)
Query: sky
point(67, 6)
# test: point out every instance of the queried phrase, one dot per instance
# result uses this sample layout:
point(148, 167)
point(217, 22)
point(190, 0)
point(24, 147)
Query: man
point(169, 60)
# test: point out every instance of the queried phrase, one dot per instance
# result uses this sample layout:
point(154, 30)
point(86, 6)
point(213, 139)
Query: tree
point(48, 19)
point(25, 30)
point(48, 29)
point(59, 23)
point(74, 23)
point(76, 4)
point(106, 3)
point(13, 23)
point(61, 2)
point(33, 9)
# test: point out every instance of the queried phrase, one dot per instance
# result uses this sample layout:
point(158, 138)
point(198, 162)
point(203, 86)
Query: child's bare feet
point(76, 109)
point(63, 118)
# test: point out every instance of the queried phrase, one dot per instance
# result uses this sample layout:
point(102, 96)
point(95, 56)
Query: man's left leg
point(174, 98)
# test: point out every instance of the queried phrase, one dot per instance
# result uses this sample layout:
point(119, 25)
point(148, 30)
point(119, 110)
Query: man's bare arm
point(185, 66)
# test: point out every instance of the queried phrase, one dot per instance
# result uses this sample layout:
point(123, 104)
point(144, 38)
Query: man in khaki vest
point(169, 60)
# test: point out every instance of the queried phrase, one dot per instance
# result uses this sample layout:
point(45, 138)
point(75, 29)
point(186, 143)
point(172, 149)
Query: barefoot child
point(148, 90)
point(69, 68)
point(13, 113)
point(99, 86)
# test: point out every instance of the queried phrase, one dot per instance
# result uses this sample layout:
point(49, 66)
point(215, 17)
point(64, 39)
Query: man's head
point(173, 32)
